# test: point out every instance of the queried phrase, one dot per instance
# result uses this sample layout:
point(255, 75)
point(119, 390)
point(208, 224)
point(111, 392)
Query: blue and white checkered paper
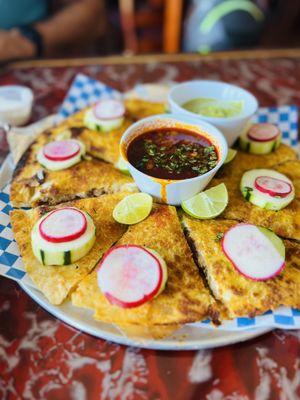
point(11, 265)
point(83, 92)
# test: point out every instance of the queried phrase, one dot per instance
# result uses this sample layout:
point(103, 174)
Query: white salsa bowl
point(173, 191)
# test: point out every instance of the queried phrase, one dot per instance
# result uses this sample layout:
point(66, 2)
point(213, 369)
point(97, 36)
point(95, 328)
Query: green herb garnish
point(179, 157)
point(219, 237)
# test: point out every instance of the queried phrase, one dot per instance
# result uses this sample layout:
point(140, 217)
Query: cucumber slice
point(265, 200)
point(258, 146)
point(65, 134)
point(101, 125)
point(59, 165)
point(62, 253)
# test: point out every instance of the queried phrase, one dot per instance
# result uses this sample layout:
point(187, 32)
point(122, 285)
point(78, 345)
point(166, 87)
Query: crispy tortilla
point(137, 109)
point(136, 332)
point(33, 185)
point(185, 298)
point(285, 223)
point(85, 179)
point(105, 145)
point(245, 161)
point(242, 296)
point(91, 178)
point(56, 282)
point(102, 145)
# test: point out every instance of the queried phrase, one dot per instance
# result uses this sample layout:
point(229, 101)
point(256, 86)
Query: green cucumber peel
point(274, 239)
point(42, 256)
point(67, 258)
point(247, 192)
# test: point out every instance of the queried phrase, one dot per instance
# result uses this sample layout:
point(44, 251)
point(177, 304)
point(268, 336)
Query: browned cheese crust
point(90, 177)
point(185, 297)
point(137, 109)
point(285, 222)
point(33, 185)
point(245, 161)
point(56, 282)
point(105, 145)
point(242, 296)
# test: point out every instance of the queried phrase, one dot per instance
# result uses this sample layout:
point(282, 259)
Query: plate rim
point(161, 344)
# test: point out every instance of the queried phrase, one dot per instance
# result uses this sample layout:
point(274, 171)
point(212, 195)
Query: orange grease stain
point(163, 188)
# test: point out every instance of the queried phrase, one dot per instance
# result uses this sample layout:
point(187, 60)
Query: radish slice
point(61, 150)
point(263, 132)
point(273, 186)
point(130, 275)
point(63, 225)
point(251, 189)
point(257, 253)
point(109, 109)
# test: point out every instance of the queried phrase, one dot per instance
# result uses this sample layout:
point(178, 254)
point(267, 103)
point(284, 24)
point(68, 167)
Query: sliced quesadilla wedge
point(34, 184)
point(105, 144)
point(185, 297)
point(242, 296)
point(285, 222)
point(56, 282)
point(245, 161)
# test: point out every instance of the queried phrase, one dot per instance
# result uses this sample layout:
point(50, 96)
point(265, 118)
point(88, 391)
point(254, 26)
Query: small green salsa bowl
point(230, 125)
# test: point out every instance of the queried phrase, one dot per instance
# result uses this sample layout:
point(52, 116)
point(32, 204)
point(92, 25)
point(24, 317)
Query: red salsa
point(172, 153)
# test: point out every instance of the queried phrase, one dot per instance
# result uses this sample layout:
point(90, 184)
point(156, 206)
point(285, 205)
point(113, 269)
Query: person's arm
point(13, 46)
point(79, 21)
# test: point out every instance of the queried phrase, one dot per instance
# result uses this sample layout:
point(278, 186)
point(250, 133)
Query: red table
point(43, 358)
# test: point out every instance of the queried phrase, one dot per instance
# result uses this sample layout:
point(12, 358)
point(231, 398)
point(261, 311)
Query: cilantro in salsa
point(172, 154)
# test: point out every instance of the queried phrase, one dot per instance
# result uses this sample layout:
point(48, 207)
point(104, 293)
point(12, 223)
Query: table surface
point(43, 358)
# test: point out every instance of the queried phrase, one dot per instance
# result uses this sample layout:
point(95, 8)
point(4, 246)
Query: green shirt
point(14, 13)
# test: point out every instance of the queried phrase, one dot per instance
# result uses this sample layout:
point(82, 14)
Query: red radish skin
point(263, 132)
point(61, 150)
point(278, 271)
point(114, 300)
point(114, 109)
point(67, 238)
point(277, 187)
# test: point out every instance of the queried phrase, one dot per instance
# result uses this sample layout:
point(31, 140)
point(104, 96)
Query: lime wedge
point(208, 204)
point(133, 208)
point(230, 155)
point(122, 166)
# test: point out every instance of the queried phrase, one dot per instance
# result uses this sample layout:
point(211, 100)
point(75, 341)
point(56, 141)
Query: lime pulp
point(133, 208)
point(122, 166)
point(207, 204)
point(230, 155)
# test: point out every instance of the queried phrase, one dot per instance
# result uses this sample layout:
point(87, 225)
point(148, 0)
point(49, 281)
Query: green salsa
point(210, 107)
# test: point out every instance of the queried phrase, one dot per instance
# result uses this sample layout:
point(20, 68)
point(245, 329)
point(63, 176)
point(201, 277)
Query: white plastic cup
point(15, 104)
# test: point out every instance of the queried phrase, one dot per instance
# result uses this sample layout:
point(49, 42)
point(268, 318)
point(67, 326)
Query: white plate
point(188, 337)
